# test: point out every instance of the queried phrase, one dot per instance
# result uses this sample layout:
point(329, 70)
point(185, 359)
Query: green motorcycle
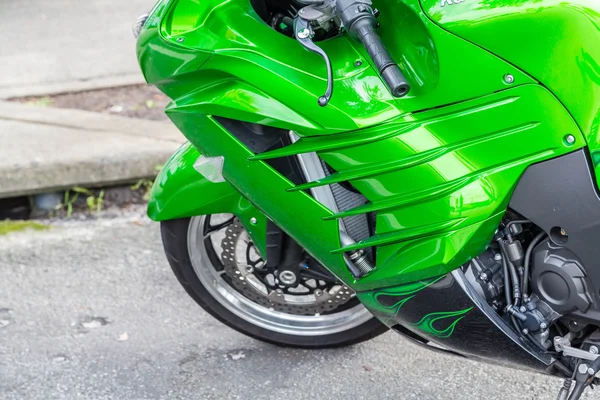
point(428, 166)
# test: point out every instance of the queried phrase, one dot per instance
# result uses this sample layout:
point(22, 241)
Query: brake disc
point(250, 275)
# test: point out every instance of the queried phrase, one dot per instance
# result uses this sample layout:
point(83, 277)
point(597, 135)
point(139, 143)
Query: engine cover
point(558, 278)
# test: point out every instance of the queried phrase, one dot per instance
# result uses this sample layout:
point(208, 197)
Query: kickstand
point(563, 394)
point(583, 378)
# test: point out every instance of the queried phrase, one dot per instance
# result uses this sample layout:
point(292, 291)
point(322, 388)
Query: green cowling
point(556, 42)
point(438, 166)
point(178, 182)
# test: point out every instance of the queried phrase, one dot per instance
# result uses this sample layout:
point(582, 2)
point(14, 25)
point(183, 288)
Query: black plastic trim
point(563, 192)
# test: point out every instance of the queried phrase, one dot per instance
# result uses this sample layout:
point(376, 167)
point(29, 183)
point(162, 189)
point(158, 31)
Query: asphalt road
point(91, 310)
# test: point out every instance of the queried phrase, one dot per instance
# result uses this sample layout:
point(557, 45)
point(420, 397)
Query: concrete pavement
point(47, 149)
point(64, 45)
point(149, 340)
point(61, 46)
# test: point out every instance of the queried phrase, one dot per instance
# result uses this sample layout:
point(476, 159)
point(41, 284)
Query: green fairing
point(427, 323)
point(438, 167)
point(178, 182)
point(556, 42)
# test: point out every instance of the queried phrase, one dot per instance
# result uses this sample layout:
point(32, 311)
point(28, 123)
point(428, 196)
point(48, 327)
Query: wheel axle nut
point(287, 277)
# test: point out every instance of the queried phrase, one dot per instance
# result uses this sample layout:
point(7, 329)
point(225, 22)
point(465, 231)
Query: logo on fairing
point(451, 2)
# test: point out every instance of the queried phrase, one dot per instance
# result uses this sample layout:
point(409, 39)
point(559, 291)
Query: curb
point(44, 89)
point(48, 149)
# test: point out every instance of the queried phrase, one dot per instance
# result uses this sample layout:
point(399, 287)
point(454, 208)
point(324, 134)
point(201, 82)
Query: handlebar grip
point(388, 69)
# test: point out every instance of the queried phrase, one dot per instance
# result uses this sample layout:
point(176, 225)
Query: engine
point(535, 283)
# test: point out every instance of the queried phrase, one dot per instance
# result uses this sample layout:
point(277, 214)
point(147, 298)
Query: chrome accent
point(211, 168)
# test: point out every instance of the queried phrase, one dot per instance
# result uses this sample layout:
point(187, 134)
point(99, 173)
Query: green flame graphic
point(426, 323)
point(402, 294)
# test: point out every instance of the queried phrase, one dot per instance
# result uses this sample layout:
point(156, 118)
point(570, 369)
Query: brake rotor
point(250, 275)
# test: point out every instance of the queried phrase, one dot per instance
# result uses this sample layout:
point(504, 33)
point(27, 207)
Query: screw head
point(543, 325)
point(249, 269)
point(508, 78)
point(279, 292)
point(318, 292)
point(525, 331)
point(591, 371)
point(180, 39)
point(302, 11)
point(253, 221)
point(593, 349)
point(570, 139)
point(583, 368)
point(304, 33)
point(483, 276)
point(357, 63)
point(522, 309)
point(498, 257)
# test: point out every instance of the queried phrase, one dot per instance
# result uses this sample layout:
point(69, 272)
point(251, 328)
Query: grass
point(8, 226)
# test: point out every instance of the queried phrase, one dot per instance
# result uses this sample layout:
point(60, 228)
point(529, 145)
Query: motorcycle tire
point(182, 245)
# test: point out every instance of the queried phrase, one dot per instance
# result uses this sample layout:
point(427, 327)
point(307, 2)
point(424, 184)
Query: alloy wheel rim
point(267, 318)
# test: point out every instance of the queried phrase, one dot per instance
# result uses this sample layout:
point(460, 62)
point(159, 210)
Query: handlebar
point(360, 22)
point(358, 19)
point(388, 69)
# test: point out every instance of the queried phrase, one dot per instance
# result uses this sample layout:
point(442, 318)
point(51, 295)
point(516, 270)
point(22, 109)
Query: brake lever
point(304, 33)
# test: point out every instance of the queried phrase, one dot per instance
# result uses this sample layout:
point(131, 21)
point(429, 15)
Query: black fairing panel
point(450, 314)
point(562, 193)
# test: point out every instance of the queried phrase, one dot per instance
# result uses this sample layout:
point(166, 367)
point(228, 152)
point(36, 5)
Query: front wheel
point(215, 261)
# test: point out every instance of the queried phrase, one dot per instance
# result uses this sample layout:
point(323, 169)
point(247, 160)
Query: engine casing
point(559, 279)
